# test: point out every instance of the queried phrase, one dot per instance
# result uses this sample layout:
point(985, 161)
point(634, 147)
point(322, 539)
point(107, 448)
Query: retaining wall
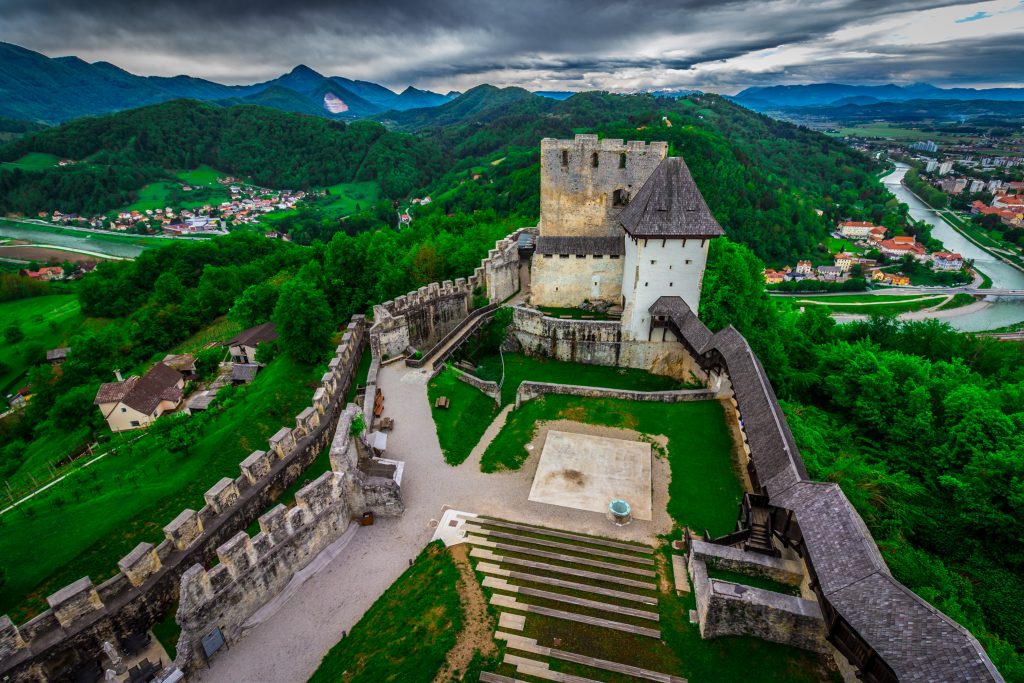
point(528, 391)
point(82, 616)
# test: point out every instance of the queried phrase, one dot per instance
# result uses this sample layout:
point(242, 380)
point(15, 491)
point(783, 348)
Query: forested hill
point(121, 152)
point(764, 179)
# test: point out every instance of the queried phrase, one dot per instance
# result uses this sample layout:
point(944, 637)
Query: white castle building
point(621, 223)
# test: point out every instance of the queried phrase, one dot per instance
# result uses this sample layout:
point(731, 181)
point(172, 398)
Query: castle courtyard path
point(286, 647)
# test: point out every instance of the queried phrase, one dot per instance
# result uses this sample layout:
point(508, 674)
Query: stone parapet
point(74, 601)
point(184, 529)
point(140, 563)
point(530, 390)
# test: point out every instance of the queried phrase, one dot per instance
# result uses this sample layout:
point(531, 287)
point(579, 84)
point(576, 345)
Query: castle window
point(548, 255)
point(646, 283)
point(688, 261)
point(598, 256)
point(593, 159)
point(563, 256)
point(581, 256)
point(613, 256)
point(670, 284)
point(653, 262)
point(622, 160)
point(565, 157)
point(124, 410)
point(620, 198)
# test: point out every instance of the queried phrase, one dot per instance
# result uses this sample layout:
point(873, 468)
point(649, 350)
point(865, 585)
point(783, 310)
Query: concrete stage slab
point(587, 472)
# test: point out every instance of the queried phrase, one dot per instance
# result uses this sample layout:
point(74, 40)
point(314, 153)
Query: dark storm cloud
point(576, 42)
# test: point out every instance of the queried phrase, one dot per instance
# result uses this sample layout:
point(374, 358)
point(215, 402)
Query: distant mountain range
point(39, 88)
point(773, 97)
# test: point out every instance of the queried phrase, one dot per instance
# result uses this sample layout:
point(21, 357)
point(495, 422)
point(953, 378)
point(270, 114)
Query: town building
point(876, 234)
point(57, 356)
point(902, 245)
point(830, 273)
point(931, 165)
point(46, 273)
point(944, 260)
point(773, 277)
point(977, 186)
point(242, 346)
point(945, 167)
point(845, 262)
point(804, 267)
point(856, 229)
point(138, 401)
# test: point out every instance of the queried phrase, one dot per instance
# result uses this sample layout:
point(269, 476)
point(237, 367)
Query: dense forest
point(122, 152)
point(920, 425)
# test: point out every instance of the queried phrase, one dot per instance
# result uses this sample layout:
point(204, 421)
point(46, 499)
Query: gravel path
point(288, 646)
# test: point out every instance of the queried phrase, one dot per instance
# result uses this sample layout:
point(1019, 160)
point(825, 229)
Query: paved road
point(288, 646)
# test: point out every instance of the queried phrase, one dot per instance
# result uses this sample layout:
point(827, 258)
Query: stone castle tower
point(620, 223)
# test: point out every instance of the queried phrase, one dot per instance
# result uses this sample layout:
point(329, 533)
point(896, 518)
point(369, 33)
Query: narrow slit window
point(622, 160)
point(593, 159)
point(565, 157)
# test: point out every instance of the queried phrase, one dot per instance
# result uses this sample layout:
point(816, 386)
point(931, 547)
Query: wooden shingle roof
point(605, 246)
point(915, 640)
point(669, 205)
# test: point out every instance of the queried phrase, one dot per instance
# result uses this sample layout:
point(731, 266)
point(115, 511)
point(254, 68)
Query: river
point(85, 241)
point(997, 313)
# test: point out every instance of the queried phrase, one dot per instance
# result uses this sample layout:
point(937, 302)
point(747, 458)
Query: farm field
point(131, 494)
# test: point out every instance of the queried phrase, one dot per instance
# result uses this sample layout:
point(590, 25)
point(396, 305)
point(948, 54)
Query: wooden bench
point(442, 402)
point(378, 404)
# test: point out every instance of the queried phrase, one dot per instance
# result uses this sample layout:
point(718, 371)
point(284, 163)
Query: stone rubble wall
point(251, 571)
point(421, 318)
point(731, 609)
point(82, 616)
point(528, 391)
point(487, 387)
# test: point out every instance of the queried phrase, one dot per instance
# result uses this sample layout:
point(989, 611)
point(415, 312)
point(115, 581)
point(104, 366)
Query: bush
point(13, 334)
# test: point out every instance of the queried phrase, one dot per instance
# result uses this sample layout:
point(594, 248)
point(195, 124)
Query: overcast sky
point(539, 44)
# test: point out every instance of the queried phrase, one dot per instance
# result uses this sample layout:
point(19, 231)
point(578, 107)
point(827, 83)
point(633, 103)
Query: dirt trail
point(478, 631)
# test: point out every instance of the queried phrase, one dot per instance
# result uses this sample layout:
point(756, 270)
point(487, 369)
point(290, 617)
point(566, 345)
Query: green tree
point(168, 289)
point(13, 334)
point(255, 305)
point(304, 321)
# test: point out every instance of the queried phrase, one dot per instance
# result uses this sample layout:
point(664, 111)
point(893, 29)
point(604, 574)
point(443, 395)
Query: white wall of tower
point(654, 268)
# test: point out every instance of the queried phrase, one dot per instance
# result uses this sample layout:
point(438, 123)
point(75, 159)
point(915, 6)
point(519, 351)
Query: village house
point(856, 229)
point(57, 356)
point(944, 260)
point(138, 401)
point(897, 279)
point(902, 245)
point(804, 267)
point(845, 261)
point(773, 277)
point(830, 273)
point(49, 273)
point(876, 234)
point(242, 346)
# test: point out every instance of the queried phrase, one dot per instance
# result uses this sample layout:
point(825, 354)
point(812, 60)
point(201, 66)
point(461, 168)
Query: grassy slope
point(129, 497)
point(345, 196)
point(705, 488)
point(33, 161)
point(405, 636)
point(459, 427)
point(47, 321)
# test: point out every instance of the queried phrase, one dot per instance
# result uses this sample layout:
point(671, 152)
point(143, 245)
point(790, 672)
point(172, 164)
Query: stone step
point(508, 602)
point(489, 677)
point(555, 544)
point(584, 587)
point(532, 667)
point(529, 645)
point(509, 547)
point(496, 583)
point(484, 553)
point(518, 526)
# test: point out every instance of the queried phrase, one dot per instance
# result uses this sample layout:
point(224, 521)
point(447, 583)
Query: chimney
point(117, 374)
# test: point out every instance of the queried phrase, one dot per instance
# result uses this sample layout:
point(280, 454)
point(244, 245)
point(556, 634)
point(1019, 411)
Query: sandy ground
point(288, 647)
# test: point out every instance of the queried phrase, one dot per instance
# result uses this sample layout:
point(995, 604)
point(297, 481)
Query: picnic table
point(386, 424)
point(442, 402)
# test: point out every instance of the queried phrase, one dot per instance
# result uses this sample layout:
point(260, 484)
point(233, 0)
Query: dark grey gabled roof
point(669, 205)
point(605, 246)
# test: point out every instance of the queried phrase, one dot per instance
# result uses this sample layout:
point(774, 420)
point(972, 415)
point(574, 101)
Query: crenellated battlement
point(84, 615)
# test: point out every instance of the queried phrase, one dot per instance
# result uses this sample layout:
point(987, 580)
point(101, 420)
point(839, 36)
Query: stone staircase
point(568, 581)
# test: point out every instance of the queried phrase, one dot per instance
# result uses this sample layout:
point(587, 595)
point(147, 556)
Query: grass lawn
point(362, 371)
point(836, 245)
point(705, 488)
point(460, 426)
point(348, 198)
point(153, 196)
point(167, 631)
point(204, 175)
point(867, 304)
point(406, 635)
point(957, 301)
point(753, 581)
point(82, 526)
point(219, 330)
point(520, 367)
point(46, 321)
point(888, 130)
point(33, 161)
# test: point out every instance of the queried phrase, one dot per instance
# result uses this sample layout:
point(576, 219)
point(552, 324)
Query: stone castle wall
point(576, 196)
point(420, 319)
point(600, 342)
point(725, 608)
point(528, 391)
point(569, 281)
point(251, 571)
point(82, 616)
